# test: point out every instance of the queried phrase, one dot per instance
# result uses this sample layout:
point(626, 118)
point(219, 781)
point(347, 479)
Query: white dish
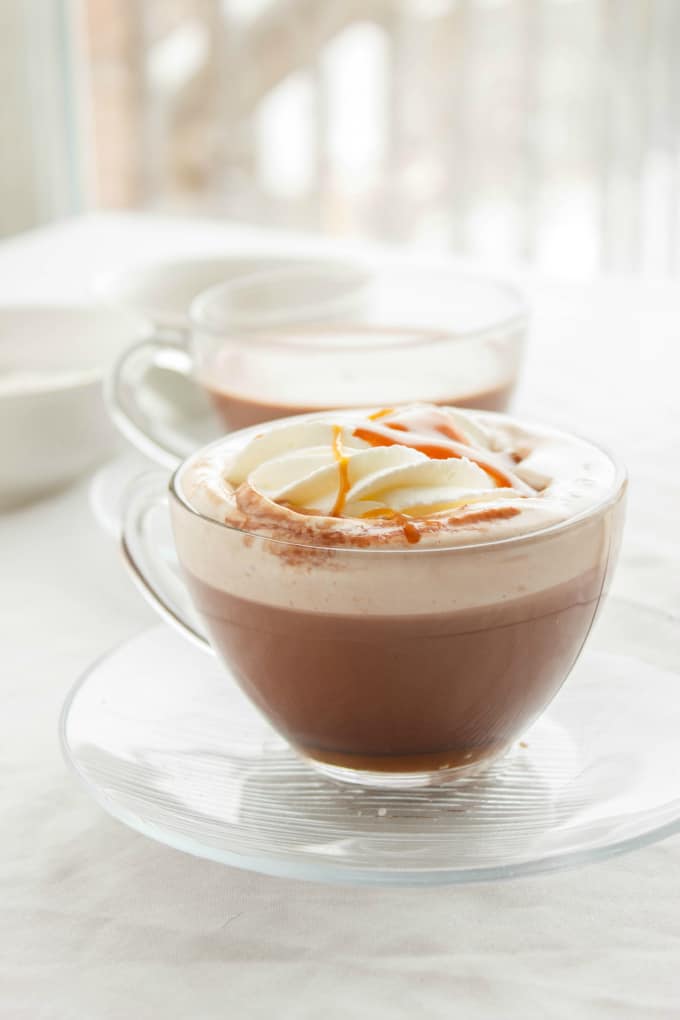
point(53, 422)
point(163, 291)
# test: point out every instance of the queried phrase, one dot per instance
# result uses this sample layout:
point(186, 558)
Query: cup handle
point(149, 554)
point(125, 386)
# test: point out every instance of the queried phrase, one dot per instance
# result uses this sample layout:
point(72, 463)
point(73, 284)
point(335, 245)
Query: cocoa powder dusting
point(492, 513)
point(306, 530)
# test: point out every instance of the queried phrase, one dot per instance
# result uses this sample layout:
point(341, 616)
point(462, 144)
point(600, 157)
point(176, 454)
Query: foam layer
point(444, 480)
point(356, 479)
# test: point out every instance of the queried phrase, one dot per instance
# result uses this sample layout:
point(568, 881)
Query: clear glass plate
point(109, 488)
point(165, 742)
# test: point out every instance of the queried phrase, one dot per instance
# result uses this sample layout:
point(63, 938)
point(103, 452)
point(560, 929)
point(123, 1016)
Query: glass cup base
point(383, 780)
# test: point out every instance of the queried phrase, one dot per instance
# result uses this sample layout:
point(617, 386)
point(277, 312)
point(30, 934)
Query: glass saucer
point(109, 486)
point(165, 742)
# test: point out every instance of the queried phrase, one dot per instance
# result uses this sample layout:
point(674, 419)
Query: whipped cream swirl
point(418, 463)
point(392, 476)
point(420, 477)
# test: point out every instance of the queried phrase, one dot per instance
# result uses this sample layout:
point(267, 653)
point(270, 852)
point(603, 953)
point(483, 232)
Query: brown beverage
point(238, 412)
point(400, 592)
point(304, 370)
point(402, 693)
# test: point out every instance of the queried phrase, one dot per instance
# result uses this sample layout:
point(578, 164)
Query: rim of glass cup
point(305, 321)
point(356, 276)
point(618, 484)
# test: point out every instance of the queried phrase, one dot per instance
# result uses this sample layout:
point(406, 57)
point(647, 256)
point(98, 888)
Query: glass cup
point(396, 668)
point(308, 338)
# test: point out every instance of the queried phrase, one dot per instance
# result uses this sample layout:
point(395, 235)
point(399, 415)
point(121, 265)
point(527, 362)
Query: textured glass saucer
point(109, 488)
point(165, 742)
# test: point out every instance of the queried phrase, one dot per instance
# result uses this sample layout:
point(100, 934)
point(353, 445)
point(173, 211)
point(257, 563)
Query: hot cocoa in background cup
point(253, 378)
point(314, 335)
point(436, 337)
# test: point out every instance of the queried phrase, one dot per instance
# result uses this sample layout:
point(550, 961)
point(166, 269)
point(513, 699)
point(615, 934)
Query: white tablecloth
point(98, 922)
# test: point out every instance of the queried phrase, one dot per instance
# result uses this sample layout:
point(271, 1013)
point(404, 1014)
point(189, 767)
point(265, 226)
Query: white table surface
point(98, 922)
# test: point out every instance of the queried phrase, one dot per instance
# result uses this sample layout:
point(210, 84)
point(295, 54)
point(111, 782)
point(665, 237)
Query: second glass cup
point(304, 339)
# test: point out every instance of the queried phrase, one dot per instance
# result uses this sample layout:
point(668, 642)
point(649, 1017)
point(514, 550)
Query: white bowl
point(163, 291)
point(53, 423)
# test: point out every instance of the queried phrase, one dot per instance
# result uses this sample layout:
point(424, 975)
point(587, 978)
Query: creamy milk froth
point(419, 475)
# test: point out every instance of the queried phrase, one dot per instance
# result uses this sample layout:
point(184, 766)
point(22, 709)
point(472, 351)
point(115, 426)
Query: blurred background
point(545, 131)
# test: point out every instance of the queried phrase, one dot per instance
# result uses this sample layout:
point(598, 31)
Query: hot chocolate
point(403, 591)
point(407, 692)
point(252, 379)
point(239, 412)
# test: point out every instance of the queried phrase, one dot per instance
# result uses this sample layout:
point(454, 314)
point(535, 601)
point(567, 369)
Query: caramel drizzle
point(491, 513)
point(455, 446)
point(342, 460)
point(441, 451)
point(420, 511)
point(411, 532)
point(449, 432)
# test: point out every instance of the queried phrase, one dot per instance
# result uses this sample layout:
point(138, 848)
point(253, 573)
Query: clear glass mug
point(396, 668)
point(302, 339)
